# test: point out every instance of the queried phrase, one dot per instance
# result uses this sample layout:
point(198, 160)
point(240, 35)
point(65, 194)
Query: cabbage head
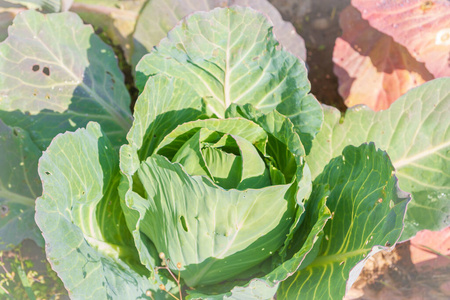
point(220, 196)
point(211, 196)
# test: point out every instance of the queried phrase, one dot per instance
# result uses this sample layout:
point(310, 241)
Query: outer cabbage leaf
point(215, 235)
point(421, 26)
point(56, 75)
point(367, 216)
point(79, 213)
point(229, 56)
point(158, 17)
point(264, 282)
point(415, 132)
point(44, 5)
point(430, 246)
point(19, 187)
point(6, 19)
point(163, 104)
point(372, 68)
point(115, 18)
point(7, 13)
point(52, 82)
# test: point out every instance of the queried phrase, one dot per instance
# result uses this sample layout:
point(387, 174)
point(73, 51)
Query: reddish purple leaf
point(423, 27)
point(429, 247)
point(371, 67)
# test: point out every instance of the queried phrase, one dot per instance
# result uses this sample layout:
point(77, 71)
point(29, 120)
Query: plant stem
point(25, 283)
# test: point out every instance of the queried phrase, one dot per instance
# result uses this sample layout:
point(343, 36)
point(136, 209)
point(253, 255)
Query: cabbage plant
point(221, 190)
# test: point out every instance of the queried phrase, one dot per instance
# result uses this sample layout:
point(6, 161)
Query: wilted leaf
point(371, 67)
point(415, 131)
point(7, 13)
point(368, 211)
point(5, 20)
point(44, 5)
point(159, 16)
point(57, 75)
point(423, 27)
point(116, 18)
point(66, 4)
point(19, 187)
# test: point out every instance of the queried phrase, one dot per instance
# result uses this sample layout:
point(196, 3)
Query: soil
point(393, 275)
point(318, 23)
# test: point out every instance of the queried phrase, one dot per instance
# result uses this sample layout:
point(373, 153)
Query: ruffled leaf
point(415, 132)
point(167, 13)
point(367, 216)
point(87, 241)
point(231, 56)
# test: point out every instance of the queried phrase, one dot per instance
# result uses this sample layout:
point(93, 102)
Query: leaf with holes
point(268, 278)
point(57, 75)
point(87, 240)
point(51, 82)
point(415, 132)
point(19, 187)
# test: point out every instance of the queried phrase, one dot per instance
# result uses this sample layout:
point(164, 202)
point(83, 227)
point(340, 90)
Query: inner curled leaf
point(228, 159)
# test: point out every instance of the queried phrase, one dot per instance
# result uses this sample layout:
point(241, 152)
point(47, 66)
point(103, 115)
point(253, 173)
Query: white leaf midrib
point(226, 85)
point(405, 161)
